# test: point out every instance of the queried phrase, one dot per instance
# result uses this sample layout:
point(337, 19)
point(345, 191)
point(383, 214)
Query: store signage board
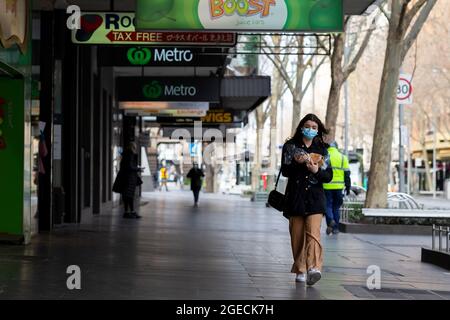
point(173, 113)
point(241, 15)
point(118, 28)
point(155, 57)
point(185, 89)
point(212, 117)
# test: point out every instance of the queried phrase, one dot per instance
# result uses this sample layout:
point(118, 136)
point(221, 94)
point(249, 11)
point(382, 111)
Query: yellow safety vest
point(339, 164)
point(164, 173)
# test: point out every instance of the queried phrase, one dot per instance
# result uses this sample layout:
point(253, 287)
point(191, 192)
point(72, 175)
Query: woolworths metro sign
point(250, 15)
point(168, 89)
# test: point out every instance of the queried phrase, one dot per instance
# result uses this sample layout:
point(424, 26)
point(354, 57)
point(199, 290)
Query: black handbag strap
point(278, 178)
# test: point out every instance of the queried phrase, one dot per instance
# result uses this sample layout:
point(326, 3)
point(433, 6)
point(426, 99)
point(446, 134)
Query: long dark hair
point(298, 136)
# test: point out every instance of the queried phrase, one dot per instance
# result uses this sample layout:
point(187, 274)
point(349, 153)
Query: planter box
point(397, 229)
point(438, 258)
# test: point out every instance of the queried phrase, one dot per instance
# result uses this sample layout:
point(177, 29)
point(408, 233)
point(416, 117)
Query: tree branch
point(352, 66)
point(412, 12)
point(282, 71)
point(383, 10)
point(417, 26)
point(313, 75)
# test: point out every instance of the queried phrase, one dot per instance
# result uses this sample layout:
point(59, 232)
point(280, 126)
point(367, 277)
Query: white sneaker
point(301, 277)
point(314, 275)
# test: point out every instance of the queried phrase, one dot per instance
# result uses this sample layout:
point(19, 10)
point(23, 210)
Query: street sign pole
point(401, 154)
point(404, 97)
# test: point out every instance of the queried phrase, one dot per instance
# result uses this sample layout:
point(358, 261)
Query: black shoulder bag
point(276, 199)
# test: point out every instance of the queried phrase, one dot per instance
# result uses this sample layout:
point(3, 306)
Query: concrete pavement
point(228, 248)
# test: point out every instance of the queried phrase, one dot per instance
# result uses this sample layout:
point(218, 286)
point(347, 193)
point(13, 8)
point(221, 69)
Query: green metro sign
point(238, 15)
point(153, 90)
point(139, 56)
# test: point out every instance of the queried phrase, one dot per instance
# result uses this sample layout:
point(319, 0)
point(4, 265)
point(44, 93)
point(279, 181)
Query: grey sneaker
point(313, 276)
point(301, 277)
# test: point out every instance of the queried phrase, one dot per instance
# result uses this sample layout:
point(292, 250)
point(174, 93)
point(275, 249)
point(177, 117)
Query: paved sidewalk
point(228, 248)
point(430, 203)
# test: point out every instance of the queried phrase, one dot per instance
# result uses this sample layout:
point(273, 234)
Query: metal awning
point(244, 93)
point(351, 7)
point(357, 7)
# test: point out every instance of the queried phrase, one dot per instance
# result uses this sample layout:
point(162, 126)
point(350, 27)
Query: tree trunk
point(333, 108)
point(274, 99)
point(256, 171)
point(296, 114)
point(427, 169)
point(384, 125)
point(337, 80)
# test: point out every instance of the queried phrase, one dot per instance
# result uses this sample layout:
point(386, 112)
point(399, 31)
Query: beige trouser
point(305, 241)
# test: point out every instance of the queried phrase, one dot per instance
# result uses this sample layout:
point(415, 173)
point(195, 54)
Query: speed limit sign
point(404, 89)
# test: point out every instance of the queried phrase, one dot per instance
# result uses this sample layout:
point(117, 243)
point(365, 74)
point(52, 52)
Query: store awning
point(357, 7)
point(244, 93)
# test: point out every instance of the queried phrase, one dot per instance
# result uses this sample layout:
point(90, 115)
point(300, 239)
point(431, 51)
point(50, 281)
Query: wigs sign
point(253, 15)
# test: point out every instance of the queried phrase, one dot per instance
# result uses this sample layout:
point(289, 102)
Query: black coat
point(127, 179)
point(196, 178)
point(304, 192)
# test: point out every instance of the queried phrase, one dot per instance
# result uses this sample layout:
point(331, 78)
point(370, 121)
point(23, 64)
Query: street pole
point(401, 150)
point(434, 153)
point(314, 88)
point(409, 184)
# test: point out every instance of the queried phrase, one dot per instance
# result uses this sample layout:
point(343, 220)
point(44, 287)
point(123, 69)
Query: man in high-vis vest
point(334, 190)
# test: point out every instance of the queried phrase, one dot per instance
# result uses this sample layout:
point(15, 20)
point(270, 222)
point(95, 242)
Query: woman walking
point(305, 163)
point(128, 179)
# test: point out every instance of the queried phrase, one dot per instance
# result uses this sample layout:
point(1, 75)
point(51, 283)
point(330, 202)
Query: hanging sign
point(118, 28)
point(238, 15)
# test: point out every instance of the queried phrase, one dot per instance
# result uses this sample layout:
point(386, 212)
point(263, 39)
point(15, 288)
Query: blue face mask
point(309, 133)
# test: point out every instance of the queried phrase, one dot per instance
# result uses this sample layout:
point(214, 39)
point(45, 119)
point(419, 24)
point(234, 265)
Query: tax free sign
point(238, 15)
point(169, 89)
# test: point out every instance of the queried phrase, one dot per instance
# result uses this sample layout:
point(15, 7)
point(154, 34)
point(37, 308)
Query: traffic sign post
point(404, 97)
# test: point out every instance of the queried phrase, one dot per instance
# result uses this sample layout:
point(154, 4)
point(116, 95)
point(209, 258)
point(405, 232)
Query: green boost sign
point(250, 15)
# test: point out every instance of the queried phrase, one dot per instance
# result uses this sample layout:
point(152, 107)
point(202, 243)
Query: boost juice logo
point(243, 14)
point(241, 7)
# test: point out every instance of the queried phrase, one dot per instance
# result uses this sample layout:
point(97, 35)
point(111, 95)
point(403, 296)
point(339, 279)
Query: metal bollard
point(448, 236)
point(432, 237)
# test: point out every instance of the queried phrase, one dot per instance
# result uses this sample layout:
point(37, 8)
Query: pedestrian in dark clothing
point(196, 174)
point(305, 202)
point(128, 179)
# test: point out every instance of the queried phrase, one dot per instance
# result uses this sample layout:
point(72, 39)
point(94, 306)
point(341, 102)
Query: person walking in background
point(196, 174)
point(164, 175)
point(305, 163)
point(128, 179)
point(335, 188)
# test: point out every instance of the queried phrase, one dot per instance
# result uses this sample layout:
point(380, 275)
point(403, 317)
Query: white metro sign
point(173, 55)
point(404, 89)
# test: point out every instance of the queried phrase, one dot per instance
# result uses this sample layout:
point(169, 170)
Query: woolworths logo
point(139, 56)
point(154, 90)
point(142, 56)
